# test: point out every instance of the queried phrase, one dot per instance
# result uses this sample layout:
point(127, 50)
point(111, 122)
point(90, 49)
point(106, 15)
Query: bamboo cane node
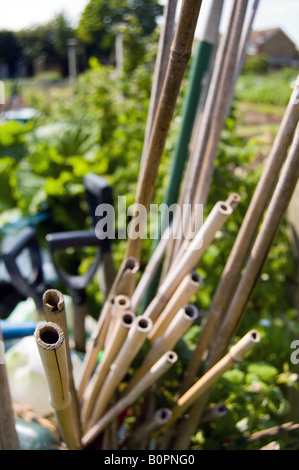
point(58, 406)
point(179, 57)
point(160, 297)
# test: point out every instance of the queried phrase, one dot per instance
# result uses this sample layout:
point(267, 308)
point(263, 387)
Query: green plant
point(256, 65)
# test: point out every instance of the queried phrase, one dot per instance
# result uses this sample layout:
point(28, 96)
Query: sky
point(18, 14)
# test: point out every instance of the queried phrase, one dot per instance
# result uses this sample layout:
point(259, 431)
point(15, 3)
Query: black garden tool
point(76, 283)
point(97, 192)
point(27, 284)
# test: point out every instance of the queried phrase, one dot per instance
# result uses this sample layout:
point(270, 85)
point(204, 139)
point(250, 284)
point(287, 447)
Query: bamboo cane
point(127, 281)
point(208, 37)
point(179, 56)
point(264, 239)
point(96, 343)
point(204, 384)
point(272, 431)
point(121, 303)
point(8, 434)
point(54, 310)
point(186, 427)
point(233, 200)
point(222, 105)
point(183, 319)
point(164, 440)
point(118, 369)
point(247, 233)
point(271, 446)
point(188, 287)
point(142, 433)
point(165, 41)
point(110, 441)
point(216, 109)
point(190, 258)
point(79, 316)
point(123, 279)
point(50, 341)
point(108, 271)
point(214, 412)
point(276, 210)
point(122, 326)
point(199, 141)
point(244, 42)
point(178, 235)
point(151, 269)
point(156, 371)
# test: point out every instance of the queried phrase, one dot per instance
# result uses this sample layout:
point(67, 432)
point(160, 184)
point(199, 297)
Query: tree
point(102, 19)
point(48, 40)
point(9, 50)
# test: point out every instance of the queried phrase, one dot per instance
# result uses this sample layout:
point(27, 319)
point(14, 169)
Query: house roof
point(262, 36)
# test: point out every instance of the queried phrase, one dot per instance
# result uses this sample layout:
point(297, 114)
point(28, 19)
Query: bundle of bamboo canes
point(137, 345)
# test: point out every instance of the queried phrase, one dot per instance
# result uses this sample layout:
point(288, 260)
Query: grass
point(273, 88)
point(257, 120)
point(260, 102)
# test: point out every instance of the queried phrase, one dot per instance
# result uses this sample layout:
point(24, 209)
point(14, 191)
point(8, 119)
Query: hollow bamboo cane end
point(53, 300)
point(224, 208)
point(233, 200)
point(49, 336)
point(246, 343)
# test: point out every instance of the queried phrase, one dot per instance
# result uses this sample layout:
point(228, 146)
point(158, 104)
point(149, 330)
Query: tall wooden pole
point(8, 433)
point(165, 41)
point(179, 56)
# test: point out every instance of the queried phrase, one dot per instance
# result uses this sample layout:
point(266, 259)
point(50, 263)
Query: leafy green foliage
point(47, 41)
point(102, 20)
point(256, 64)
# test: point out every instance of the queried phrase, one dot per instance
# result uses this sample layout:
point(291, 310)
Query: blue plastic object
point(14, 330)
point(22, 115)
